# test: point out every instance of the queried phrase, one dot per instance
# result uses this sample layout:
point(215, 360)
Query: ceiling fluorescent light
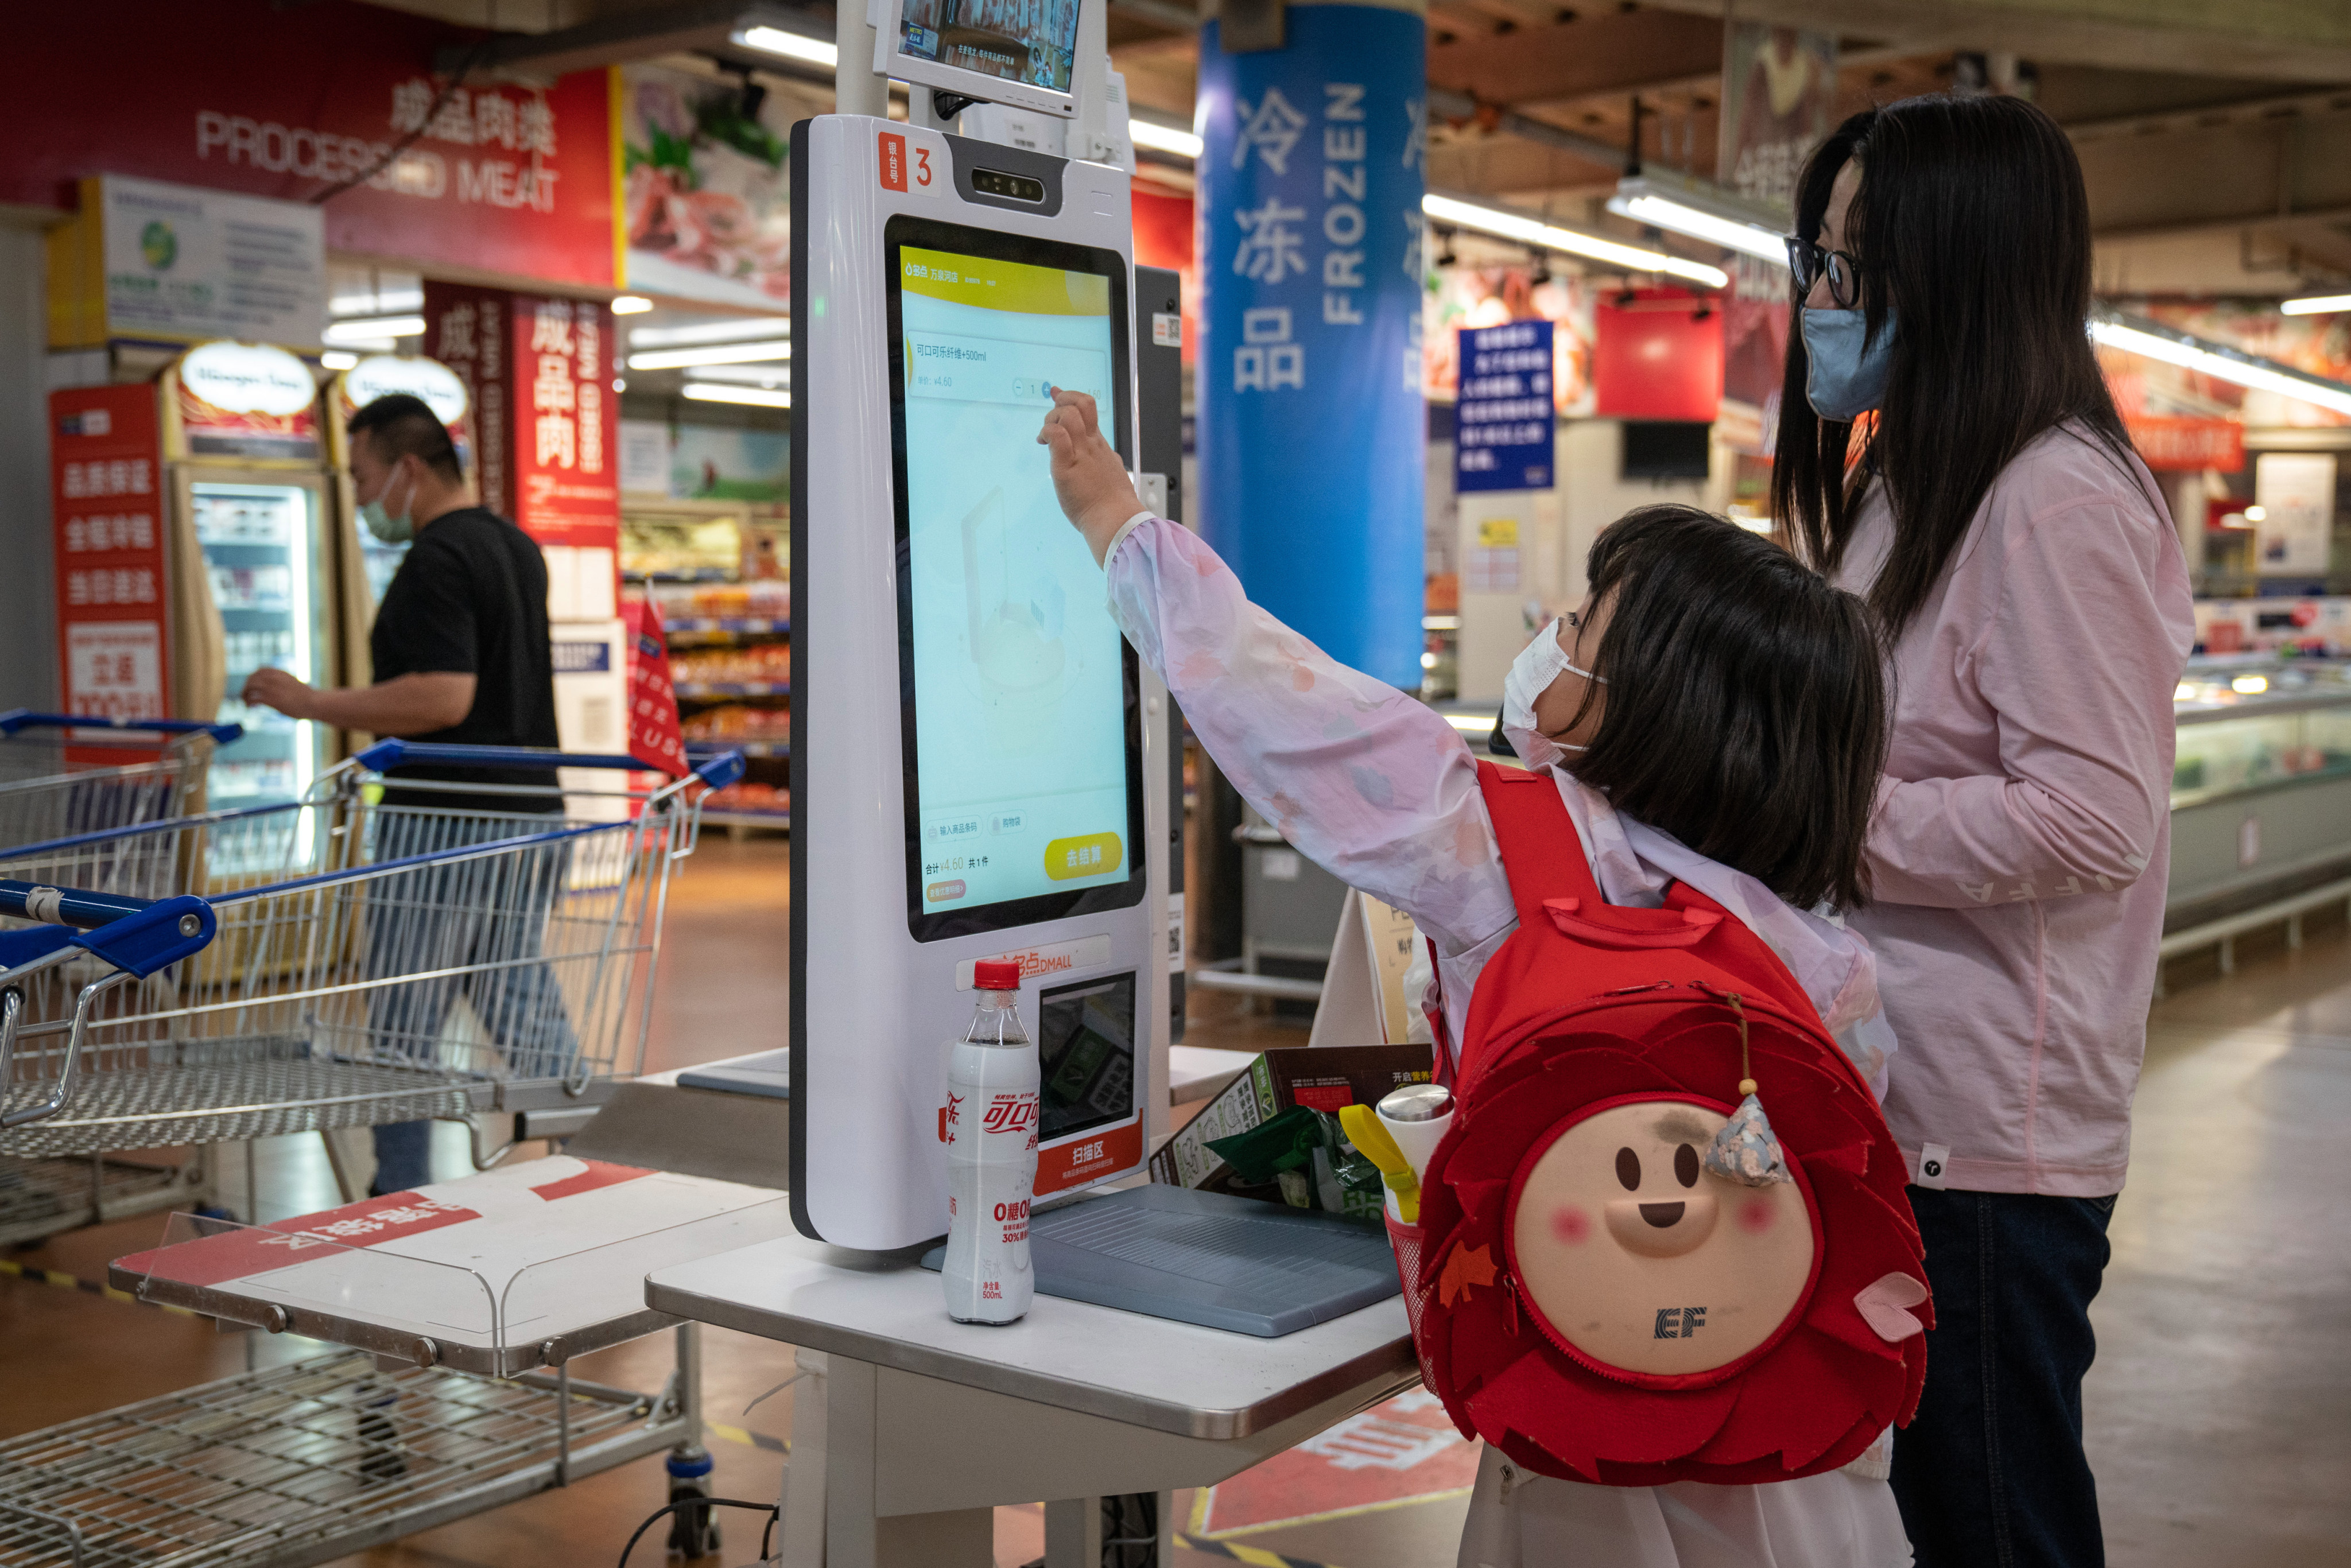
point(631, 305)
point(714, 354)
point(2316, 305)
point(757, 397)
point(798, 46)
point(1700, 215)
point(2153, 341)
point(730, 331)
point(335, 360)
point(1163, 138)
point(375, 329)
point(1526, 230)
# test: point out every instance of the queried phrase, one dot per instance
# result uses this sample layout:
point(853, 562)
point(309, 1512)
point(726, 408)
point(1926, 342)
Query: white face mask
point(1540, 664)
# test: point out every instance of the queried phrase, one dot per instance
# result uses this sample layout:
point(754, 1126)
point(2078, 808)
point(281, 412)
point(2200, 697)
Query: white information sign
point(114, 669)
point(2296, 491)
point(185, 265)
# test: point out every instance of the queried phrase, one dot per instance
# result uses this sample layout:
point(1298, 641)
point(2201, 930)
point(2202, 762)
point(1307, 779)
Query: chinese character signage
point(1779, 93)
point(105, 475)
point(294, 103)
point(1502, 423)
point(2185, 445)
point(1311, 426)
point(538, 373)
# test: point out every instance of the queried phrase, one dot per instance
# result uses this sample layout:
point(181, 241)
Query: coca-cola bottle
point(991, 1126)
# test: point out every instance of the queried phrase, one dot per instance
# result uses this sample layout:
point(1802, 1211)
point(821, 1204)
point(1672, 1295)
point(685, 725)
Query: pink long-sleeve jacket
point(2023, 835)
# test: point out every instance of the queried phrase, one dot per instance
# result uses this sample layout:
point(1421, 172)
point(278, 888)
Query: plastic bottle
point(991, 1126)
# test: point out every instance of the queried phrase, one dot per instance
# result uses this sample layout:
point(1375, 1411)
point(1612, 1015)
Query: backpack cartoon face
point(1634, 1257)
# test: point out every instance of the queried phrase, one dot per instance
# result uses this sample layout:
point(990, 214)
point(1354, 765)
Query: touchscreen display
point(1031, 41)
point(1022, 778)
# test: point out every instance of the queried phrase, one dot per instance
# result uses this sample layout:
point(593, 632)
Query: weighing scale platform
point(1207, 1258)
point(769, 1074)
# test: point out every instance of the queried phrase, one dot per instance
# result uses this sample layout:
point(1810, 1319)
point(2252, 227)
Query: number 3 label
point(922, 166)
point(902, 172)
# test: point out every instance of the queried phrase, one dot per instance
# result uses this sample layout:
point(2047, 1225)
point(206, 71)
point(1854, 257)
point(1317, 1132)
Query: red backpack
point(1585, 1295)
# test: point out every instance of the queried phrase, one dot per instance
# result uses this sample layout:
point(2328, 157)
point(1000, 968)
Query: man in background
point(461, 656)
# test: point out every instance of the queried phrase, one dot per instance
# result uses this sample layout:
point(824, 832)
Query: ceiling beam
point(2279, 40)
point(1619, 52)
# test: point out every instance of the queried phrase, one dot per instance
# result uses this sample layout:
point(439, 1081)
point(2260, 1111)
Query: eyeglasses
point(1808, 263)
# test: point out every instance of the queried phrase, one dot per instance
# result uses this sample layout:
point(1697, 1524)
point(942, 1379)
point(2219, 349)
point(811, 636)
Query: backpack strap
point(1541, 853)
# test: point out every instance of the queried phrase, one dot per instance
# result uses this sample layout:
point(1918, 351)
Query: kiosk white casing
point(881, 982)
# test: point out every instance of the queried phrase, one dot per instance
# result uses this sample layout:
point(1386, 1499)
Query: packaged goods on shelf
point(750, 799)
point(738, 721)
point(765, 599)
point(746, 663)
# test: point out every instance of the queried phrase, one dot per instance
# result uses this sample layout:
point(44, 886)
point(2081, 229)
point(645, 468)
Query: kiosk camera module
point(1021, 52)
point(968, 737)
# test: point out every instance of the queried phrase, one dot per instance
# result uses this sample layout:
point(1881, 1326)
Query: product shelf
point(690, 690)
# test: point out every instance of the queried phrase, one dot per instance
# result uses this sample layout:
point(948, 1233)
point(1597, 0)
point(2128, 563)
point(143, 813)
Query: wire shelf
point(301, 1464)
point(42, 1197)
point(228, 1091)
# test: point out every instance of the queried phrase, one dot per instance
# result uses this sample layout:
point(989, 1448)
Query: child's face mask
point(1540, 664)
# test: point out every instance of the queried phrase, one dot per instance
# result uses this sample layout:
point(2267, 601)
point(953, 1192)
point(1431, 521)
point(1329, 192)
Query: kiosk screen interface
point(1023, 774)
point(1032, 41)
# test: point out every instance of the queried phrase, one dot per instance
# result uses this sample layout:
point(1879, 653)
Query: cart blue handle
point(386, 755)
point(19, 718)
point(134, 935)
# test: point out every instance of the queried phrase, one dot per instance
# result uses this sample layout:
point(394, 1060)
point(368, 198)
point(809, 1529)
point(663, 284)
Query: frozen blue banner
point(1503, 421)
point(1312, 432)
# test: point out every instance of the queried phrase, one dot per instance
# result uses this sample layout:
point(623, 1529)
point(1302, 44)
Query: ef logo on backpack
point(1592, 1293)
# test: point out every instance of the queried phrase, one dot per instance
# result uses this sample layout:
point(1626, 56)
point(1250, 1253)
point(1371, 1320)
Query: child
point(1713, 713)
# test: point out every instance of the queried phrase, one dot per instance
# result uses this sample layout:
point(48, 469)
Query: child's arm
point(1366, 781)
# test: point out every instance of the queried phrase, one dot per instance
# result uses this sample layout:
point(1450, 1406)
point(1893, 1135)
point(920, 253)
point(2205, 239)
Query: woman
point(2037, 607)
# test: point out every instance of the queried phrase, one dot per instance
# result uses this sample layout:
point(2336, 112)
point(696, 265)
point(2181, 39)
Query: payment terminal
point(968, 741)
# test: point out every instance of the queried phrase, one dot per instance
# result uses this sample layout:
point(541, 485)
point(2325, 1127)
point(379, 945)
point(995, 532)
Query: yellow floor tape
point(65, 1281)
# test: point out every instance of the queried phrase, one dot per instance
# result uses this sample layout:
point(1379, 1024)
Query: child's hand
point(1087, 474)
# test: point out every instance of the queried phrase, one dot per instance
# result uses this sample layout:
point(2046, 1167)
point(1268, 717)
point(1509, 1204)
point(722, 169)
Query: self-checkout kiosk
point(969, 743)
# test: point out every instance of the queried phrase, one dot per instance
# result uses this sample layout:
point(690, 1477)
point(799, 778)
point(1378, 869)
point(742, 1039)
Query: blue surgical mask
point(392, 530)
point(1843, 379)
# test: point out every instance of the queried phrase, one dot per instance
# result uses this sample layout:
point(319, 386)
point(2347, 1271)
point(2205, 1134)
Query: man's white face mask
point(1540, 664)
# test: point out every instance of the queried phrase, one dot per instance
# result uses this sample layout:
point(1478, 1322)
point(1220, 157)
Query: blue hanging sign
point(1311, 430)
point(1503, 422)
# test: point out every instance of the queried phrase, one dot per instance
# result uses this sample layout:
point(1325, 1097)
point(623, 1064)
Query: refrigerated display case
point(268, 559)
point(2260, 790)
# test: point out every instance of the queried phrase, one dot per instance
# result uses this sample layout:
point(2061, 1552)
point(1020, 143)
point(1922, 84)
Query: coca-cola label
point(1011, 1114)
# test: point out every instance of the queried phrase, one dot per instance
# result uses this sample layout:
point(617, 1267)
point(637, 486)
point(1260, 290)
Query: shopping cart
point(73, 773)
point(390, 949)
point(64, 774)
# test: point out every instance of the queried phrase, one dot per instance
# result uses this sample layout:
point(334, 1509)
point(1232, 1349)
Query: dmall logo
point(1011, 1114)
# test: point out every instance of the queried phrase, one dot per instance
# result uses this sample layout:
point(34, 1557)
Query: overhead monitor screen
point(1031, 41)
point(1018, 696)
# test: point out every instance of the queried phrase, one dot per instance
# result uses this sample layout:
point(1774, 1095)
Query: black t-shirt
point(470, 598)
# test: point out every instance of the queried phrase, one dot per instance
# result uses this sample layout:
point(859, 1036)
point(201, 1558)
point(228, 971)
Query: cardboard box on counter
point(1324, 1078)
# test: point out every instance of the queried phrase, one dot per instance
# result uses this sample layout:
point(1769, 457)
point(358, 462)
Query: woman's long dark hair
point(1972, 222)
point(1746, 702)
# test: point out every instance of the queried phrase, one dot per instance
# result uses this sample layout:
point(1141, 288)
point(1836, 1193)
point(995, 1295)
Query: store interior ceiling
point(2216, 139)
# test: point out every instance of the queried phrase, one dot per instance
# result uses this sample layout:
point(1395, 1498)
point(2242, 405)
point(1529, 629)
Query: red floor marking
point(1402, 1451)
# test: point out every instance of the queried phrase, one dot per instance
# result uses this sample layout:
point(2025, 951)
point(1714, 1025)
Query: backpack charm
point(1746, 1151)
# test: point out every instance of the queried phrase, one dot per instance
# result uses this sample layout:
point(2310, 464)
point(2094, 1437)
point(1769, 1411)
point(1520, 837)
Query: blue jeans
point(471, 915)
point(1991, 1474)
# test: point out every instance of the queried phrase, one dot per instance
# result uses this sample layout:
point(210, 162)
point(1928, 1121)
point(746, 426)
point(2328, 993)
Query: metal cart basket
point(391, 948)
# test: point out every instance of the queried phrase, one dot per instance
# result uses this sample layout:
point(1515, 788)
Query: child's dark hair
point(1746, 702)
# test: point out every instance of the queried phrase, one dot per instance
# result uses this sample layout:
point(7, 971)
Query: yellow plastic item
point(1361, 1125)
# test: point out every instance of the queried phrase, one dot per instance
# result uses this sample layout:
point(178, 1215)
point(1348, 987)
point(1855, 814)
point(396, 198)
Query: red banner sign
point(567, 428)
point(2168, 444)
point(290, 102)
point(105, 482)
point(654, 737)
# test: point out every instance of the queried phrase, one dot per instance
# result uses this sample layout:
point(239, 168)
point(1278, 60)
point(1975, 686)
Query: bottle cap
point(996, 975)
point(1417, 1103)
